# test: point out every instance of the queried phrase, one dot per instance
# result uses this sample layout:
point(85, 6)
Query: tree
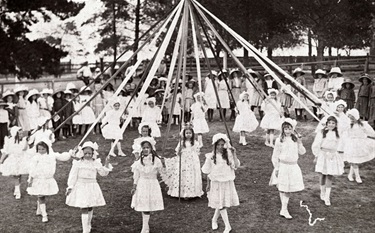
point(18, 54)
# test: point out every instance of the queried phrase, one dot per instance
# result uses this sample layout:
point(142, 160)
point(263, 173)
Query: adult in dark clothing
point(57, 105)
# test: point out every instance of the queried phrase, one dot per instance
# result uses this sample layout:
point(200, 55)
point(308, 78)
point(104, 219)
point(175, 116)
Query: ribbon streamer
point(311, 223)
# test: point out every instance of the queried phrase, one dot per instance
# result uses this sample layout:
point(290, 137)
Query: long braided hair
point(325, 130)
point(153, 152)
point(224, 154)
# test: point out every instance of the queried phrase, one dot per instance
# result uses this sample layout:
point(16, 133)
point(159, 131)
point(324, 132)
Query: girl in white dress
point(147, 196)
point(287, 175)
point(222, 90)
point(111, 127)
point(43, 132)
point(14, 160)
point(328, 161)
point(209, 93)
point(42, 169)
point(32, 108)
point(219, 166)
point(198, 110)
point(77, 119)
point(23, 120)
point(152, 116)
point(191, 178)
point(144, 131)
point(246, 121)
point(343, 123)
point(235, 84)
point(356, 145)
point(83, 189)
point(44, 107)
point(272, 116)
point(87, 114)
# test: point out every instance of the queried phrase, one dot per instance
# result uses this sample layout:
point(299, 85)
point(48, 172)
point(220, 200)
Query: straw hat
point(267, 75)
point(46, 91)
point(336, 70)
point(68, 92)
point(21, 88)
point(290, 121)
point(346, 81)
point(31, 93)
point(58, 91)
point(8, 93)
point(298, 70)
point(363, 76)
point(72, 87)
point(87, 89)
point(320, 71)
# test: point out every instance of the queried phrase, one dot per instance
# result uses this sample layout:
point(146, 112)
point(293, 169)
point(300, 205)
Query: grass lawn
point(352, 209)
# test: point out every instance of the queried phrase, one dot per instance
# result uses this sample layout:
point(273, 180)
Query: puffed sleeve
point(315, 147)
point(276, 153)
point(207, 166)
point(102, 170)
point(136, 171)
point(73, 174)
point(65, 156)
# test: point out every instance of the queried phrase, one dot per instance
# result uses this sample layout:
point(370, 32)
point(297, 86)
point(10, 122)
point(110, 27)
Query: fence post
point(70, 66)
point(367, 64)
point(53, 85)
point(290, 67)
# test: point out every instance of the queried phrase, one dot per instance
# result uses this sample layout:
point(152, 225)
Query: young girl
point(299, 110)
point(347, 93)
point(219, 166)
point(43, 105)
point(188, 99)
point(32, 108)
point(191, 178)
point(356, 145)
point(320, 87)
point(198, 110)
point(328, 106)
point(209, 93)
point(145, 135)
point(42, 170)
point(23, 120)
point(272, 116)
point(69, 110)
point(8, 98)
point(152, 116)
point(4, 122)
point(255, 98)
point(328, 161)
point(147, 196)
point(43, 132)
point(245, 120)
point(87, 114)
point(287, 175)
point(342, 119)
point(222, 91)
point(335, 79)
point(16, 161)
point(83, 189)
point(111, 127)
point(363, 96)
point(286, 99)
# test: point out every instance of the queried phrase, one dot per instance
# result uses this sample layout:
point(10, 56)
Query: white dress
point(199, 119)
point(222, 189)
point(284, 159)
point(223, 94)
point(148, 196)
point(23, 119)
point(357, 147)
point(87, 114)
point(111, 125)
point(82, 180)
point(209, 94)
point(137, 144)
point(77, 119)
point(44, 110)
point(271, 119)
point(18, 160)
point(191, 177)
point(33, 113)
point(329, 161)
point(152, 116)
point(245, 120)
point(42, 170)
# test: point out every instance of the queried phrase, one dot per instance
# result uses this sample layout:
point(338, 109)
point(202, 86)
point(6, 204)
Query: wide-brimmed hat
point(68, 92)
point(346, 81)
point(363, 76)
point(46, 91)
point(272, 90)
point(235, 70)
point(87, 89)
point(221, 72)
point(21, 88)
point(159, 91)
point(298, 70)
point(213, 72)
point(151, 99)
point(190, 81)
point(58, 91)
point(320, 71)
point(336, 70)
point(72, 87)
point(8, 93)
point(163, 79)
point(267, 75)
point(31, 93)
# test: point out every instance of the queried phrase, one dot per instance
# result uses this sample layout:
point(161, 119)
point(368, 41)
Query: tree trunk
point(320, 51)
point(114, 36)
point(309, 41)
point(330, 51)
point(137, 20)
point(269, 52)
point(245, 57)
